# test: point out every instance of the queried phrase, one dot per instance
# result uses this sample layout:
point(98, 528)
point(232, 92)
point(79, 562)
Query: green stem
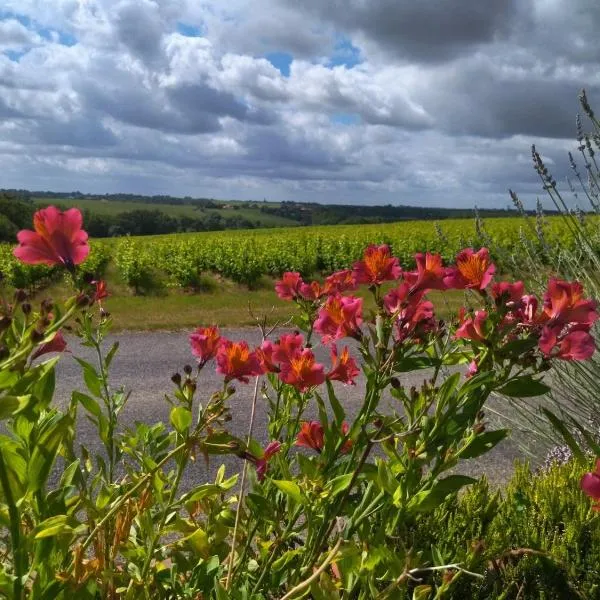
point(15, 531)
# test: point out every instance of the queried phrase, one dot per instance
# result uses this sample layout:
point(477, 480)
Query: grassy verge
point(223, 303)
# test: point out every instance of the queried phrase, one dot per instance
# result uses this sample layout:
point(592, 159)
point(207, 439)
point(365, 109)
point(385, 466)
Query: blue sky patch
point(189, 30)
point(14, 55)
point(342, 118)
point(281, 61)
point(345, 53)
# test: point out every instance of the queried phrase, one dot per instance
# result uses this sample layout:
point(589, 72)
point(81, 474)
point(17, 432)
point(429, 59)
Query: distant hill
point(120, 214)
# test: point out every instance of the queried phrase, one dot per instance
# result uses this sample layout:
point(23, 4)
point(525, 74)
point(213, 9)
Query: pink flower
point(508, 292)
point(343, 367)
point(473, 328)
point(429, 275)
point(58, 239)
point(576, 344)
point(397, 299)
point(265, 356)
point(205, 342)
point(302, 371)
point(56, 344)
point(341, 316)
point(377, 265)
point(288, 287)
point(472, 369)
point(311, 291)
point(415, 320)
point(262, 463)
point(288, 345)
point(564, 303)
point(235, 361)
point(340, 281)
point(590, 484)
point(311, 436)
point(473, 270)
point(101, 292)
point(529, 306)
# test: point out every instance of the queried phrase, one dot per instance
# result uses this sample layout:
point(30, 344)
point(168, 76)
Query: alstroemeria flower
point(590, 484)
point(573, 345)
point(429, 275)
point(311, 436)
point(340, 281)
point(415, 320)
point(288, 345)
point(56, 344)
point(101, 292)
point(473, 270)
point(288, 287)
point(58, 239)
point(262, 463)
point(311, 291)
point(302, 371)
point(205, 342)
point(508, 292)
point(473, 328)
point(236, 361)
point(341, 316)
point(564, 303)
point(472, 369)
point(343, 366)
point(377, 265)
point(264, 353)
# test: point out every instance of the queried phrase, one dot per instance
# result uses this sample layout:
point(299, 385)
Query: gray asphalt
point(146, 361)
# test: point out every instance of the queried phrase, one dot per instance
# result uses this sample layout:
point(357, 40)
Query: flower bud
point(187, 370)
point(5, 323)
point(20, 296)
point(478, 428)
point(176, 379)
point(191, 385)
point(26, 308)
point(47, 305)
point(82, 300)
point(37, 336)
point(395, 382)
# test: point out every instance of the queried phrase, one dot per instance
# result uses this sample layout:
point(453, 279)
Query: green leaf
point(290, 488)
point(422, 592)
point(524, 387)
point(9, 405)
point(338, 484)
point(93, 381)
point(181, 418)
point(482, 443)
point(337, 408)
point(566, 434)
point(427, 500)
point(111, 355)
point(57, 525)
point(89, 403)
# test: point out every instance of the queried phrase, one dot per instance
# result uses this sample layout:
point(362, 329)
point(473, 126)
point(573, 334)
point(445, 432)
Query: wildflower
point(235, 361)
point(590, 484)
point(311, 436)
point(265, 357)
point(504, 291)
point(288, 287)
point(340, 281)
point(341, 316)
point(398, 298)
point(473, 270)
point(564, 303)
point(205, 342)
point(415, 320)
point(302, 371)
point(58, 239)
point(262, 463)
point(472, 369)
point(472, 328)
point(573, 344)
point(311, 291)
point(429, 275)
point(377, 265)
point(56, 344)
point(287, 346)
point(343, 366)
point(101, 292)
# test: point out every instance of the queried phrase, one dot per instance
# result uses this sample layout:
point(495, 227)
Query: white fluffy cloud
point(430, 103)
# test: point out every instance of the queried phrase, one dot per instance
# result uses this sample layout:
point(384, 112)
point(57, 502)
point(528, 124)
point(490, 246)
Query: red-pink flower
point(56, 344)
point(415, 320)
point(340, 281)
point(101, 292)
point(429, 275)
point(397, 299)
point(590, 484)
point(236, 361)
point(341, 316)
point(58, 239)
point(265, 356)
point(472, 369)
point(205, 342)
point(377, 265)
point(473, 270)
point(528, 312)
point(302, 371)
point(564, 303)
point(508, 292)
point(311, 291)
point(262, 463)
point(473, 328)
point(577, 344)
point(311, 436)
point(288, 345)
point(288, 287)
point(343, 366)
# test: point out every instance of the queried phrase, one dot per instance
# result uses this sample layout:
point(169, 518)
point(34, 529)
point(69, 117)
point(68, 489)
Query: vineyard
point(179, 260)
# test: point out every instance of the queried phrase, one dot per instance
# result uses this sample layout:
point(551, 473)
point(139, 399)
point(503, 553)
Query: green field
point(180, 280)
point(230, 209)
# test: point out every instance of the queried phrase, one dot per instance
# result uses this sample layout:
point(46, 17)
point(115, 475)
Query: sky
point(422, 102)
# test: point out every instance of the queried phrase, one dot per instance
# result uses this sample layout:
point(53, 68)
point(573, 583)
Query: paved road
point(146, 361)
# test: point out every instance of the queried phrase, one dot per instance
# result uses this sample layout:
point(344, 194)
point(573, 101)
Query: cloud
point(429, 102)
